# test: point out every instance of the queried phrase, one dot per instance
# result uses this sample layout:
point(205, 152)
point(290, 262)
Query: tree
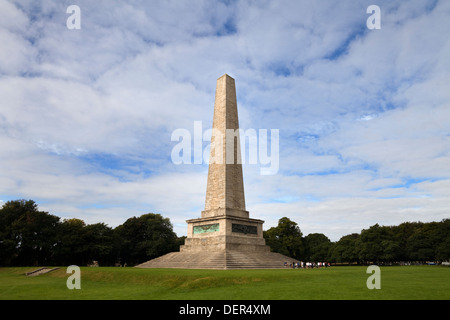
point(32, 237)
point(346, 249)
point(70, 246)
point(422, 244)
point(27, 235)
point(286, 238)
point(9, 237)
point(402, 233)
point(80, 244)
point(443, 247)
point(98, 240)
point(317, 247)
point(379, 244)
point(145, 238)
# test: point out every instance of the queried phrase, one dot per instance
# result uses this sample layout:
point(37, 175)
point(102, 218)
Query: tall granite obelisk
point(225, 237)
point(225, 188)
point(225, 224)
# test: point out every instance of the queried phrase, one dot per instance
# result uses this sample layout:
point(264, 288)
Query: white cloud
point(16, 53)
point(86, 115)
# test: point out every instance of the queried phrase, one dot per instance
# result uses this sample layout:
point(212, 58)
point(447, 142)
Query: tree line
point(31, 237)
point(408, 241)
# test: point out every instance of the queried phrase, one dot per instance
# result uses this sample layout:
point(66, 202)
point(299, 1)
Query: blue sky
point(86, 115)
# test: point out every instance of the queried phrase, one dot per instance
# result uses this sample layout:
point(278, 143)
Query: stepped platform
point(220, 260)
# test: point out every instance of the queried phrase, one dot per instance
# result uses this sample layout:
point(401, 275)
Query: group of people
point(307, 265)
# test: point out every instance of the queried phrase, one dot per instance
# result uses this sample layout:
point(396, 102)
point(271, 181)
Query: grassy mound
point(108, 283)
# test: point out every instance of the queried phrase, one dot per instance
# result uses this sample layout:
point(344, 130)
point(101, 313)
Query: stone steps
point(226, 259)
point(40, 271)
point(188, 260)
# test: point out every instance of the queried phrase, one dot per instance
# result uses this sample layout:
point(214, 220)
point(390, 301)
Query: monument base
point(222, 242)
point(222, 259)
point(225, 232)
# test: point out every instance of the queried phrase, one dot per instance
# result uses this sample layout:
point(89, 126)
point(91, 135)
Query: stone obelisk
point(225, 224)
point(225, 188)
point(225, 237)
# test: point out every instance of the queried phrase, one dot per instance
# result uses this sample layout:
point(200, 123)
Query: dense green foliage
point(286, 238)
point(409, 241)
point(32, 237)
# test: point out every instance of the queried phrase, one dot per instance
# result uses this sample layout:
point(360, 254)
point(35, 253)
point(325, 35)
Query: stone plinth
point(225, 233)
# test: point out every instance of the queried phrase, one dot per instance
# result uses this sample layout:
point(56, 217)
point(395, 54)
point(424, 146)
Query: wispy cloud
point(86, 115)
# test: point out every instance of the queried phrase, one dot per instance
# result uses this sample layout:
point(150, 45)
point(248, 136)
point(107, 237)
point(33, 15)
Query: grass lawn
point(109, 283)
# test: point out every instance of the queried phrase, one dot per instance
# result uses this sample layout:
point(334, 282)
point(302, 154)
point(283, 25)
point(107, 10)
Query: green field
point(108, 283)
